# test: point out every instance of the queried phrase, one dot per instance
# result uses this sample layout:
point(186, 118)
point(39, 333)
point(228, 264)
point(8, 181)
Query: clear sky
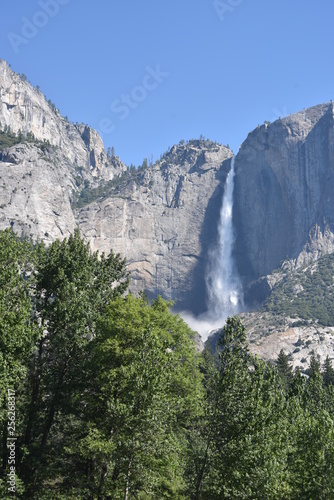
point(148, 73)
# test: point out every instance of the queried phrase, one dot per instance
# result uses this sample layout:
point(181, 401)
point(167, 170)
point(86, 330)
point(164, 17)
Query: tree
point(246, 425)
point(111, 152)
point(328, 372)
point(73, 286)
point(312, 458)
point(17, 333)
point(284, 369)
point(311, 434)
point(314, 366)
point(144, 393)
point(16, 329)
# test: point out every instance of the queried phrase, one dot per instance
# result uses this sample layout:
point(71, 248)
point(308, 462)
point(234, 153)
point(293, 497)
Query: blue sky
point(149, 73)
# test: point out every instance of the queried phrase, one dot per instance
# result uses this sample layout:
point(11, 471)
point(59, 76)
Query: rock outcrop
point(36, 189)
point(268, 334)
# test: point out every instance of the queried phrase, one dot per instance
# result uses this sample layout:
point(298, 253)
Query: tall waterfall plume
point(224, 290)
point(222, 281)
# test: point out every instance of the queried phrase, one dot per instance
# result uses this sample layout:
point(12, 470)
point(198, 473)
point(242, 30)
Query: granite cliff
point(284, 196)
point(162, 219)
point(25, 109)
point(55, 176)
point(52, 158)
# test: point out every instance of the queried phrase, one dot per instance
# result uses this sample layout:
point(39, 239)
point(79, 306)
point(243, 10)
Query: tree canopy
point(113, 400)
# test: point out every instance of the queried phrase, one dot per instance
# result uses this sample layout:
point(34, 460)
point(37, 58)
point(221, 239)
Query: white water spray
point(222, 280)
point(223, 285)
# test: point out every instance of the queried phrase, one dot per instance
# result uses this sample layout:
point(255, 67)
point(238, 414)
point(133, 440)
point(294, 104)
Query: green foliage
point(314, 369)
point(312, 445)
point(262, 438)
point(50, 302)
point(146, 390)
point(314, 297)
point(16, 330)
point(9, 139)
point(284, 370)
point(109, 188)
point(328, 372)
point(18, 334)
point(245, 408)
point(113, 401)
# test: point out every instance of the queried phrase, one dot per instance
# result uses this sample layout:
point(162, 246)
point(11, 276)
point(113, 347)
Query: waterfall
point(222, 282)
point(224, 290)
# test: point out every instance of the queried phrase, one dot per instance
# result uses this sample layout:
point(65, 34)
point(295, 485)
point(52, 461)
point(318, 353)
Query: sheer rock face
point(164, 224)
point(35, 191)
point(284, 192)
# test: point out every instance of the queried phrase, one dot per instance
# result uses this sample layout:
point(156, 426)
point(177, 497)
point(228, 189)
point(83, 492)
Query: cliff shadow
point(196, 301)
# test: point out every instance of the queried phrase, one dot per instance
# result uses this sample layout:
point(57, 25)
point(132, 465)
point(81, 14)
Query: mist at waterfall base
point(223, 286)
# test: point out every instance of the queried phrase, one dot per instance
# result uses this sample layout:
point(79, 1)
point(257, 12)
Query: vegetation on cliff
point(87, 194)
point(306, 293)
point(9, 139)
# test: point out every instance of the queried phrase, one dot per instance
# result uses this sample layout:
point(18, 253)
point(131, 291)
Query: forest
point(104, 396)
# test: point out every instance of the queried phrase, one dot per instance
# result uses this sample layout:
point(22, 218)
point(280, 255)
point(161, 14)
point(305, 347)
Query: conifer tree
point(314, 366)
point(284, 369)
point(328, 372)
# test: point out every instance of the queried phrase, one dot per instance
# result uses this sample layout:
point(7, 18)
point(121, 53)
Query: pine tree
point(328, 372)
point(284, 369)
point(246, 425)
point(314, 366)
